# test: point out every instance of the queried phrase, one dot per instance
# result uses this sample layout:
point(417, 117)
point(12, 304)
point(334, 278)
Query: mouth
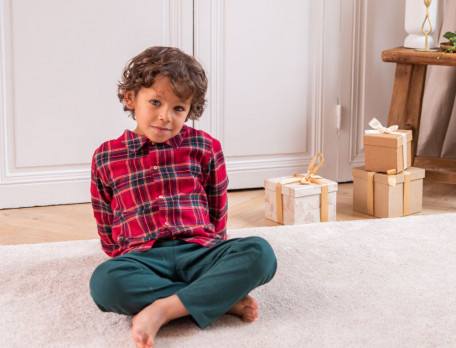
point(161, 129)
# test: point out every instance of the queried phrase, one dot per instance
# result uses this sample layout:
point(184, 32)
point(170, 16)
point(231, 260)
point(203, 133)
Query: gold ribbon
point(391, 174)
point(306, 179)
point(407, 192)
point(391, 182)
point(370, 193)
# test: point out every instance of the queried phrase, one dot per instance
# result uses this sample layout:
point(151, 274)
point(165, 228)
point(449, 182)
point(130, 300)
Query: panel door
point(273, 83)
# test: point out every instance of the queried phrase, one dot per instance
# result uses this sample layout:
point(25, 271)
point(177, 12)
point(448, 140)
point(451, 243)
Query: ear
point(130, 100)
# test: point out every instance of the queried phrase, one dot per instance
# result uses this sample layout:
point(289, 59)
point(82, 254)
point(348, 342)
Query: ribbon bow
point(378, 128)
point(311, 176)
point(306, 179)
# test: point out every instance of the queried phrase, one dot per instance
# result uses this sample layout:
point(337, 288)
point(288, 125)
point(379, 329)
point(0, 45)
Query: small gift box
point(386, 148)
point(301, 199)
point(388, 195)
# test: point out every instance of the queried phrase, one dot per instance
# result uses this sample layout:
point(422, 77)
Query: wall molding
point(358, 66)
point(5, 85)
point(209, 36)
point(218, 66)
point(172, 35)
point(179, 28)
point(315, 131)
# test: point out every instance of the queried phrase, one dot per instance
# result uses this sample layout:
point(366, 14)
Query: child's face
point(160, 114)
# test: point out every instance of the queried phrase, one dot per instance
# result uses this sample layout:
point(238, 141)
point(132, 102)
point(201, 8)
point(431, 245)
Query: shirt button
point(161, 197)
point(155, 167)
point(153, 143)
point(166, 223)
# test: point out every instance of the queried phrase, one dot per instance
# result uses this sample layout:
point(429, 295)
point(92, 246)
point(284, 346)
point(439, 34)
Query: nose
point(165, 113)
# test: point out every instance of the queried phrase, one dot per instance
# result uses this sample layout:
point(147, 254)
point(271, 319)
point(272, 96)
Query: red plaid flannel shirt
point(143, 192)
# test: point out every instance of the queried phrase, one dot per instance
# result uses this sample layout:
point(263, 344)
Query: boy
point(159, 198)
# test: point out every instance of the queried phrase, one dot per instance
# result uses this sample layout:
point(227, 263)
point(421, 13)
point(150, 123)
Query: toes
point(250, 315)
point(150, 343)
point(143, 341)
point(251, 302)
point(253, 306)
point(249, 318)
point(137, 337)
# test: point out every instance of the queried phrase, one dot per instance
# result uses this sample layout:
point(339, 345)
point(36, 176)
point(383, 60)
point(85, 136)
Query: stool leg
point(407, 99)
point(400, 95)
point(415, 103)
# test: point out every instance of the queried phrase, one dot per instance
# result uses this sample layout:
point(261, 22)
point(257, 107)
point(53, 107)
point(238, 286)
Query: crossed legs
point(176, 279)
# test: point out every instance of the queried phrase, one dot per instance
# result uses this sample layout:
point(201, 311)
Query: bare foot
point(246, 309)
point(147, 322)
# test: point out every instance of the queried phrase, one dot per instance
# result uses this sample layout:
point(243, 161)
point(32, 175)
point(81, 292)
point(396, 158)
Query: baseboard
point(23, 195)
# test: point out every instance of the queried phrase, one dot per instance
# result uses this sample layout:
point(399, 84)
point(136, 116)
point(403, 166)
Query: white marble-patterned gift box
point(301, 203)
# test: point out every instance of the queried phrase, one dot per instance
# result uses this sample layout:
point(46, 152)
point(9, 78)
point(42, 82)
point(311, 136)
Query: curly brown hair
point(185, 73)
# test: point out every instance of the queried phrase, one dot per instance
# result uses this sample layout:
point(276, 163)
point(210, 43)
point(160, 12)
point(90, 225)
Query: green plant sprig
point(452, 37)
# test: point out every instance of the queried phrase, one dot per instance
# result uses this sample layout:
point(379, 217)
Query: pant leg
point(222, 275)
point(128, 283)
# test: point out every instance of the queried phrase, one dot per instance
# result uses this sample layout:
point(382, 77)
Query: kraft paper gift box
point(375, 194)
point(387, 148)
point(386, 151)
point(300, 203)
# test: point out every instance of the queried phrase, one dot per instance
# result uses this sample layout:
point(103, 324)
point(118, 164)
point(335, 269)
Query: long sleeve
point(144, 192)
point(216, 189)
point(102, 211)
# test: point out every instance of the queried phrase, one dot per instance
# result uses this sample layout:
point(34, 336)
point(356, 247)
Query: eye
point(155, 102)
point(179, 108)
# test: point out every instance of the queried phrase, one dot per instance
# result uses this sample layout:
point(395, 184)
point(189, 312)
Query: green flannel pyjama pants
point(208, 281)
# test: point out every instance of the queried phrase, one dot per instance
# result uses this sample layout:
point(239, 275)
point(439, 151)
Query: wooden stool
point(407, 100)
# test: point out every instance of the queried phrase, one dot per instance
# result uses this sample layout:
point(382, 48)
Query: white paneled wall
point(277, 70)
point(60, 62)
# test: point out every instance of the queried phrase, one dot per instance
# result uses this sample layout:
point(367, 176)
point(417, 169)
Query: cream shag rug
point(370, 283)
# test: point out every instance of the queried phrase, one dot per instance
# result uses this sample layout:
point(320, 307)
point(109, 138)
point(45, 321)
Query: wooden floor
point(246, 209)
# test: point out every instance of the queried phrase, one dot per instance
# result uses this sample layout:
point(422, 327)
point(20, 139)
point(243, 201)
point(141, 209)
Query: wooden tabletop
point(412, 56)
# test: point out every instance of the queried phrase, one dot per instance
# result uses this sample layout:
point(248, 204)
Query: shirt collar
point(134, 142)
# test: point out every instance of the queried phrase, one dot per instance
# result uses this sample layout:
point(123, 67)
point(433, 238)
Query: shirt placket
point(160, 196)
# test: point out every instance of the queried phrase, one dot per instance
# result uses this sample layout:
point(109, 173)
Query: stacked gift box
point(301, 198)
point(387, 185)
